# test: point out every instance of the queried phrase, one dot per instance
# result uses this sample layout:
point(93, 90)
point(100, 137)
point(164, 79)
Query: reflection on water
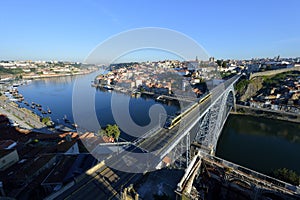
point(260, 144)
point(52, 93)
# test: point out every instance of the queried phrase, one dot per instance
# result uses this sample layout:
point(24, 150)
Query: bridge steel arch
point(211, 125)
point(208, 124)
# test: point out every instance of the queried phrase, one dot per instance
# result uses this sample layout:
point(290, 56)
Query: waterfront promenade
point(25, 119)
point(54, 75)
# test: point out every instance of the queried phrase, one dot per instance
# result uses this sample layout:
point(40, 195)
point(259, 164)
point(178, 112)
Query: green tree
point(45, 120)
point(224, 64)
point(287, 175)
point(113, 131)
point(242, 85)
point(219, 63)
point(110, 131)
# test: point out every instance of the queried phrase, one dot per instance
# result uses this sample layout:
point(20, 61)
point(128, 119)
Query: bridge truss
point(205, 130)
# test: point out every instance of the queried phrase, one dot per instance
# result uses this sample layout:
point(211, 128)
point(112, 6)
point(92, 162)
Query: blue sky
point(70, 29)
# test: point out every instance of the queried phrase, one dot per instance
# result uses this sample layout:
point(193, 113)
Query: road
point(24, 119)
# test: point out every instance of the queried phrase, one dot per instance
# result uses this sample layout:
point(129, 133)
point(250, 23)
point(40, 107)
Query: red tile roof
point(4, 144)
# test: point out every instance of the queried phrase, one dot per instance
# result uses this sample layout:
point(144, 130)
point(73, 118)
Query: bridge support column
point(188, 150)
point(180, 155)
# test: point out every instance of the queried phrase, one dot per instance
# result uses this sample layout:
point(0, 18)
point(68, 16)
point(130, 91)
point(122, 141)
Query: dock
point(157, 96)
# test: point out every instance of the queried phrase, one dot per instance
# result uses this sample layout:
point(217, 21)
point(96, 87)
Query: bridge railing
point(287, 186)
point(146, 135)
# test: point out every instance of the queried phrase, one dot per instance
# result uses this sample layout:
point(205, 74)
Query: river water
point(57, 93)
point(257, 143)
point(260, 144)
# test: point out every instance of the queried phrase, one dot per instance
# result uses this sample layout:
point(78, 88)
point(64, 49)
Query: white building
point(8, 158)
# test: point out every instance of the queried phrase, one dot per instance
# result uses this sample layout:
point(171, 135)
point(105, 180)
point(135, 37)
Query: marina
point(13, 95)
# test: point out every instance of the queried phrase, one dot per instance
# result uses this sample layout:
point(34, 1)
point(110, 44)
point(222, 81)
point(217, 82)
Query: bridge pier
point(180, 156)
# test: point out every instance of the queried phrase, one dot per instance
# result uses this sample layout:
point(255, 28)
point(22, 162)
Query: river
point(57, 93)
point(260, 144)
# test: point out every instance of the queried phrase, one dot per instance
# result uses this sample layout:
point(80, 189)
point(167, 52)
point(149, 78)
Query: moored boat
point(66, 119)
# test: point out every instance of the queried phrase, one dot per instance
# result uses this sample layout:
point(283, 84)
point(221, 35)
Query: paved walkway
point(24, 119)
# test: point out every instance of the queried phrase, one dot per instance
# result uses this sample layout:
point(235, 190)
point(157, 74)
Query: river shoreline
point(266, 113)
point(38, 76)
point(25, 117)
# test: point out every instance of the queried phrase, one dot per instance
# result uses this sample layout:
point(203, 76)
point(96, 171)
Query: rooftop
point(69, 167)
point(5, 152)
point(5, 144)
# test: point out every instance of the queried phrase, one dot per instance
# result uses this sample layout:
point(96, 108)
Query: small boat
point(39, 108)
point(108, 87)
point(66, 119)
point(48, 110)
point(13, 99)
point(161, 99)
point(44, 112)
point(63, 128)
point(33, 107)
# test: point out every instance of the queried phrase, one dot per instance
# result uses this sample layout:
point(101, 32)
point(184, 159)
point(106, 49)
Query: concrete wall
point(274, 72)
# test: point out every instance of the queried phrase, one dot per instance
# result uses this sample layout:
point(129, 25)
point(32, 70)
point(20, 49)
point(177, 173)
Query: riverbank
point(24, 117)
point(53, 75)
point(266, 113)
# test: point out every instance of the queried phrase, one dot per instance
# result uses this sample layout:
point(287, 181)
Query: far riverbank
point(266, 113)
point(53, 75)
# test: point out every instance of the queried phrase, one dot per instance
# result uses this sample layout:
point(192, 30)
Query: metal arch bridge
point(203, 125)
